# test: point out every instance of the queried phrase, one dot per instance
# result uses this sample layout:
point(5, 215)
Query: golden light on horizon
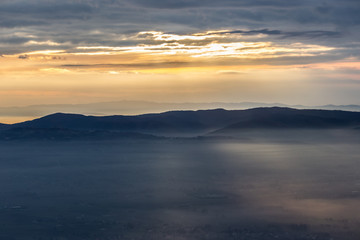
point(167, 53)
point(166, 64)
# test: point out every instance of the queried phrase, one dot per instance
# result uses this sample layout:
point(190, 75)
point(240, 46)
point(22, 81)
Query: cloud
point(38, 13)
point(47, 43)
point(230, 72)
point(249, 32)
point(180, 4)
point(14, 40)
point(279, 61)
point(45, 8)
point(180, 27)
point(284, 34)
point(211, 43)
point(145, 65)
point(312, 34)
point(151, 50)
point(12, 23)
point(23, 56)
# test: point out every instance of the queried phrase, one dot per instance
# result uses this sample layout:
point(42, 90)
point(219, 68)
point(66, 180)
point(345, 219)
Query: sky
point(82, 51)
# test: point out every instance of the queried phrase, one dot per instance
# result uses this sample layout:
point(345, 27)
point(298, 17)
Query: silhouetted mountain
point(16, 114)
point(179, 123)
point(284, 118)
point(168, 122)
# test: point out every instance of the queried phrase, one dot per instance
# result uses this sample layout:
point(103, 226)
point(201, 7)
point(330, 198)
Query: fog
point(180, 189)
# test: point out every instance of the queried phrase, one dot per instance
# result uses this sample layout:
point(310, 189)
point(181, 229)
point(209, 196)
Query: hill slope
point(285, 118)
point(194, 122)
point(141, 107)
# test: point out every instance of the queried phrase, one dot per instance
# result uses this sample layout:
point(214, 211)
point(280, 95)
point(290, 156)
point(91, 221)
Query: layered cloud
point(40, 24)
point(213, 50)
point(203, 39)
point(107, 22)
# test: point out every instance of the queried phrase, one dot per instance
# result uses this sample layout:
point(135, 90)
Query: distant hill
point(17, 114)
point(287, 118)
point(177, 123)
point(168, 122)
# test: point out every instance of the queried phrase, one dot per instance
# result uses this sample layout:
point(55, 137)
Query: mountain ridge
point(21, 113)
point(178, 123)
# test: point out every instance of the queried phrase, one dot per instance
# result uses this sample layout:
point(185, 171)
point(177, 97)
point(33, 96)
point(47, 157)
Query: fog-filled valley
point(259, 187)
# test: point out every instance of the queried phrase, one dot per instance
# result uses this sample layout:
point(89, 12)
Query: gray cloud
point(202, 14)
point(23, 56)
point(278, 61)
point(14, 40)
point(329, 22)
point(176, 4)
point(12, 23)
point(284, 34)
point(40, 13)
point(312, 34)
point(47, 9)
point(131, 66)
